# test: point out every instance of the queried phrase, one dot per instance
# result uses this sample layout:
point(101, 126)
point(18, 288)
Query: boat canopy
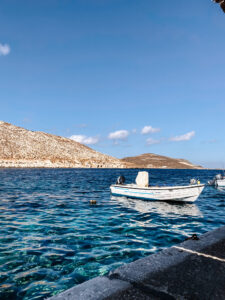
point(142, 179)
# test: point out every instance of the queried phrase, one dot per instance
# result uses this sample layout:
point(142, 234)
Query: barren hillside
point(20, 147)
point(150, 160)
point(24, 148)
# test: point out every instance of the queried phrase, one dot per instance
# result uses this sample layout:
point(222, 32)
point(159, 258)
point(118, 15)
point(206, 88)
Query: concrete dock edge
point(194, 269)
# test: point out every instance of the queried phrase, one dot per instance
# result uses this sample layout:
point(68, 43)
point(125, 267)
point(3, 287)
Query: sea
point(52, 238)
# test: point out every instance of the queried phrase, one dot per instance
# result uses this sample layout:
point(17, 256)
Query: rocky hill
point(20, 147)
point(24, 148)
point(150, 160)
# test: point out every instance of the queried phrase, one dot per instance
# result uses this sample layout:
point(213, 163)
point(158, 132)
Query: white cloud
point(83, 139)
point(151, 141)
point(149, 129)
point(118, 135)
point(4, 49)
point(184, 137)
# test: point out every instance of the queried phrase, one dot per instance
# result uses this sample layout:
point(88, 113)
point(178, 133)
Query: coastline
point(52, 166)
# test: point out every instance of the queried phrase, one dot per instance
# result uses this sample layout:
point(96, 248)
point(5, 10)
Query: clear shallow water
point(51, 238)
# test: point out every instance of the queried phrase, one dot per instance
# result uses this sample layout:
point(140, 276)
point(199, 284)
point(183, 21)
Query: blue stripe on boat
point(131, 191)
point(133, 197)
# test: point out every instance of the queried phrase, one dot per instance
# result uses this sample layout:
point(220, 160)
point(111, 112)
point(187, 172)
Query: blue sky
point(125, 77)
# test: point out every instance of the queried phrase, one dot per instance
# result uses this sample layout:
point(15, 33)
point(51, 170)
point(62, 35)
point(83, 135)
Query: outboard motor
point(218, 177)
point(193, 181)
point(120, 180)
point(211, 182)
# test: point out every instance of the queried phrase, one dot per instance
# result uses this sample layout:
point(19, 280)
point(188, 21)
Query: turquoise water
point(51, 238)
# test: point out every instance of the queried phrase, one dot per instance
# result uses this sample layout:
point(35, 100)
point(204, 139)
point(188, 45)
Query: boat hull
point(220, 183)
point(188, 193)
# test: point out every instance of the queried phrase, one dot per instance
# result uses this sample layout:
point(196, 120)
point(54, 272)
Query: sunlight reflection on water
point(51, 238)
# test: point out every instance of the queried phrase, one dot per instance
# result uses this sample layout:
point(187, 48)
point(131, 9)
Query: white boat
point(187, 193)
point(218, 181)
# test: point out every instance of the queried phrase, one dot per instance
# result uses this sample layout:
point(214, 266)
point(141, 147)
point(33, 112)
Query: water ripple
point(51, 238)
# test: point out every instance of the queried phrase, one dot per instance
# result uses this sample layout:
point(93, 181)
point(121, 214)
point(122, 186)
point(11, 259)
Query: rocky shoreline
point(50, 164)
